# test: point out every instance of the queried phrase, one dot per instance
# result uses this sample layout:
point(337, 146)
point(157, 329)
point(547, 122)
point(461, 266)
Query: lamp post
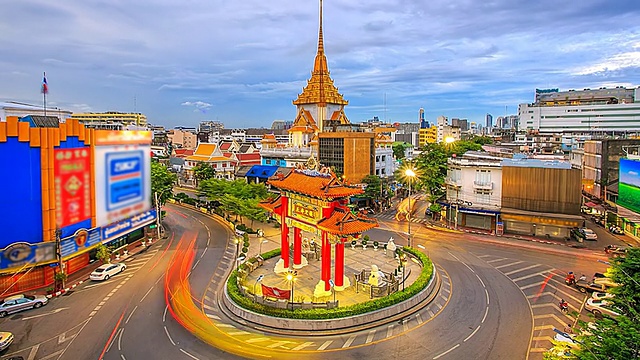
point(410, 175)
point(237, 241)
point(259, 279)
point(291, 276)
point(260, 247)
point(403, 261)
point(333, 289)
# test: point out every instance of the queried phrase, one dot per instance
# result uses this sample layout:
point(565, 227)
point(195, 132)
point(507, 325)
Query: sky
point(244, 62)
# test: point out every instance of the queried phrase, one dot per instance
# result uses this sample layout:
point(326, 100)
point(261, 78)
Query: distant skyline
point(244, 62)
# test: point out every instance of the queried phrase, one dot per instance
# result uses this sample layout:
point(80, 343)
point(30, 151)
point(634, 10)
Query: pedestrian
point(568, 329)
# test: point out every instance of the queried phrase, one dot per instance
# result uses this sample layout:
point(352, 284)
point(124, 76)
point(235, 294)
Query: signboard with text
point(81, 240)
point(112, 231)
point(72, 185)
point(21, 253)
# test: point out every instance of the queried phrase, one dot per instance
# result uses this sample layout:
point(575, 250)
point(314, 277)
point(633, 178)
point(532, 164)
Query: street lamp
point(236, 240)
point(291, 277)
point(410, 173)
point(260, 247)
point(403, 261)
point(333, 289)
point(259, 279)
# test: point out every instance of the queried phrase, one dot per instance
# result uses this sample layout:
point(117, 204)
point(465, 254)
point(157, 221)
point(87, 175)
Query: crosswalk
point(392, 216)
point(543, 287)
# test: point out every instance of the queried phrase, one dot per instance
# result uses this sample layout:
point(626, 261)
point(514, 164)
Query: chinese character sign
point(72, 186)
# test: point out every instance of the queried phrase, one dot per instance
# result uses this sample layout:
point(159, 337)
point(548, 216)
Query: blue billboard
point(629, 185)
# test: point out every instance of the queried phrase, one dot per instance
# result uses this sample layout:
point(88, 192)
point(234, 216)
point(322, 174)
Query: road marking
point(97, 308)
point(225, 326)
point(473, 333)
point(553, 316)
point(390, 331)
point(446, 352)
point(206, 297)
point(510, 264)
point(120, 340)
point(189, 355)
point(302, 346)
point(51, 356)
point(278, 344)
point(372, 333)
point(543, 327)
point(212, 316)
point(102, 302)
point(33, 352)
point(203, 252)
point(486, 292)
point(484, 256)
point(259, 339)
point(208, 307)
point(431, 314)
point(92, 313)
point(523, 269)
point(486, 311)
point(238, 333)
point(169, 336)
point(113, 340)
point(129, 317)
point(349, 341)
point(164, 316)
point(122, 357)
point(63, 337)
point(45, 314)
point(145, 295)
point(325, 345)
point(541, 273)
point(496, 260)
point(443, 297)
point(525, 287)
point(542, 338)
point(196, 264)
point(419, 318)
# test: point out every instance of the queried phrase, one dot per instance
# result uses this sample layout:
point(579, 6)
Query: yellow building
point(428, 135)
point(111, 117)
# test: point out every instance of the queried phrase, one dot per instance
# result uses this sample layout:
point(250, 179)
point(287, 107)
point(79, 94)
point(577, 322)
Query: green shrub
point(316, 314)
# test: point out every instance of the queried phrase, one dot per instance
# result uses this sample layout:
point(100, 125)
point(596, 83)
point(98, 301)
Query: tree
point(398, 150)
point(374, 186)
point(203, 171)
point(619, 337)
point(162, 181)
point(482, 140)
point(432, 164)
point(103, 254)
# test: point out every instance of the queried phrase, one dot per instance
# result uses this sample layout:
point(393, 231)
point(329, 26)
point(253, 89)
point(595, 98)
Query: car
point(597, 295)
point(6, 339)
point(588, 234)
point(608, 282)
point(615, 250)
point(584, 286)
point(600, 307)
point(17, 303)
point(104, 272)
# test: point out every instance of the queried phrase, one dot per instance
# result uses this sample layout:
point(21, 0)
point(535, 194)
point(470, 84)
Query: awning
point(590, 204)
point(262, 171)
point(629, 215)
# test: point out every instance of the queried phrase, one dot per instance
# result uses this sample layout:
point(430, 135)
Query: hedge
point(317, 314)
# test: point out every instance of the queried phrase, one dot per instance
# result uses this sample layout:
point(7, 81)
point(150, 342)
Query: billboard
point(21, 253)
point(72, 185)
point(123, 175)
point(629, 185)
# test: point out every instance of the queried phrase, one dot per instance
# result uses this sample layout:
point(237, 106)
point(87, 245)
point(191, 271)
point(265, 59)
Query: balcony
point(453, 182)
point(288, 152)
point(483, 185)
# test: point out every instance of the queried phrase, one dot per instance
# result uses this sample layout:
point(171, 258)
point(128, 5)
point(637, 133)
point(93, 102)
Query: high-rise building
point(111, 117)
point(423, 122)
point(489, 121)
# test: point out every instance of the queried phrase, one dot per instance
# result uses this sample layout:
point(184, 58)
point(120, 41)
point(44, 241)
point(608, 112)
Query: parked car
point(597, 295)
point(585, 286)
point(600, 307)
point(104, 272)
point(6, 339)
point(588, 234)
point(615, 250)
point(17, 303)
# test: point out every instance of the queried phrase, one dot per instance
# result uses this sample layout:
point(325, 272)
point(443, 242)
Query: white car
point(601, 295)
point(104, 272)
point(6, 339)
point(589, 234)
point(600, 307)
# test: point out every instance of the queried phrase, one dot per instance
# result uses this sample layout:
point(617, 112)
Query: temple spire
point(320, 65)
point(320, 37)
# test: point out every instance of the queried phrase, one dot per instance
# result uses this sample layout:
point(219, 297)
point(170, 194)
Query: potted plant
point(353, 244)
point(364, 243)
point(376, 245)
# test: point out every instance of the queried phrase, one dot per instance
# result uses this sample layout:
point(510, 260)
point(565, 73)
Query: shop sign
point(22, 253)
point(72, 186)
point(305, 210)
point(302, 226)
point(82, 239)
point(135, 222)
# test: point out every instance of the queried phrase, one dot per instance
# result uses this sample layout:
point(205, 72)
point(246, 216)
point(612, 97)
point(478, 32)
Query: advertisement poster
point(123, 175)
point(81, 240)
point(629, 185)
point(72, 186)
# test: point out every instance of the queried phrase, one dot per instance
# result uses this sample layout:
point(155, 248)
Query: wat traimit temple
point(318, 106)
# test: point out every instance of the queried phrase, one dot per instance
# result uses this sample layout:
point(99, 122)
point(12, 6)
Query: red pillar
point(339, 263)
point(297, 246)
point(284, 234)
point(326, 261)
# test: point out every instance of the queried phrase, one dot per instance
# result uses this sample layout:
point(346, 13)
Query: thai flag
point(45, 87)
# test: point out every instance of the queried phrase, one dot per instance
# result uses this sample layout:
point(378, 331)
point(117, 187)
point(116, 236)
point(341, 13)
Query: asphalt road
point(498, 302)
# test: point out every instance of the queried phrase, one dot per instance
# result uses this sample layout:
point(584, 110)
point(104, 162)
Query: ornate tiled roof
point(273, 205)
point(320, 89)
point(313, 183)
point(268, 138)
point(343, 222)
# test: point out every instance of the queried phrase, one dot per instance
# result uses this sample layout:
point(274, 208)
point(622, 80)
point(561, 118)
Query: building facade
point(111, 117)
point(183, 138)
point(350, 153)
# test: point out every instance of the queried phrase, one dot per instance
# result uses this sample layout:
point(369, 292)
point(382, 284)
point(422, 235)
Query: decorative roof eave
point(323, 186)
point(273, 205)
point(345, 223)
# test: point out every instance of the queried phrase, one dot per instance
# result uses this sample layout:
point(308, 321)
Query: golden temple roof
point(313, 183)
point(320, 89)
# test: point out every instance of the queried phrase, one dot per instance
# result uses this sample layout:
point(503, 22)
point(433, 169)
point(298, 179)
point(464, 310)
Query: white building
point(20, 110)
point(474, 190)
point(603, 110)
point(384, 161)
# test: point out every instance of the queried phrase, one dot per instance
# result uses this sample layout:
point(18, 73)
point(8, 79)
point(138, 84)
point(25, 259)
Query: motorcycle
point(570, 279)
point(564, 307)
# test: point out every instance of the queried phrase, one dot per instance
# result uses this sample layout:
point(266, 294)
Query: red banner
point(274, 292)
point(72, 186)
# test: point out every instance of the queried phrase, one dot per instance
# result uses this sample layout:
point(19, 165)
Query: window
point(384, 158)
point(268, 161)
point(483, 176)
point(483, 196)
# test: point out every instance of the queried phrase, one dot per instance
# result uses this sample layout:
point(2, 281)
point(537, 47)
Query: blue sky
point(243, 62)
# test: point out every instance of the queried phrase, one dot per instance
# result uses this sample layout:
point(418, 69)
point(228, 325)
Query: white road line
point(496, 260)
point(278, 344)
point(419, 318)
point(510, 264)
point(203, 252)
point(157, 281)
point(473, 333)
point(443, 297)
point(206, 297)
point(302, 346)
point(208, 307)
point(370, 337)
point(97, 308)
point(129, 317)
point(349, 341)
point(446, 352)
point(446, 290)
point(189, 355)
point(484, 256)
point(33, 352)
point(481, 282)
point(225, 326)
point(431, 314)
point(486, 312)
point(102, 302)
point(164, 316)
point(235, 333)
point(211, 316)
point(145, 295)
point(541, 273)
point(487, 294)
point(169, 336)
point(113, 340)
point(196, 264)
point(389, 331)
point(92, 313)
point(405, 325)
point(525, 287)
point(120, 340)
point(122, 357)
point(258, 339)
point(325, 345)
point(51, 356)
point(523, 269)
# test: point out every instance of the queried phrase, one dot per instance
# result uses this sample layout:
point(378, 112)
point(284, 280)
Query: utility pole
point(157, 215)
point(59, 256)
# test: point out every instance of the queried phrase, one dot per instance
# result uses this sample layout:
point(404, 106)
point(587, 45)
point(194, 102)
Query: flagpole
point(44, 92)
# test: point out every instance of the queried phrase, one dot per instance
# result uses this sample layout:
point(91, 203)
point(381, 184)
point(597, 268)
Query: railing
point(390, 284)
point(303, 152)
point(451, 181)
point(488, 185)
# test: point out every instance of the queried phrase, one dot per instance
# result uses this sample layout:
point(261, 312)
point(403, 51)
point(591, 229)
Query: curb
point(61, 292)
